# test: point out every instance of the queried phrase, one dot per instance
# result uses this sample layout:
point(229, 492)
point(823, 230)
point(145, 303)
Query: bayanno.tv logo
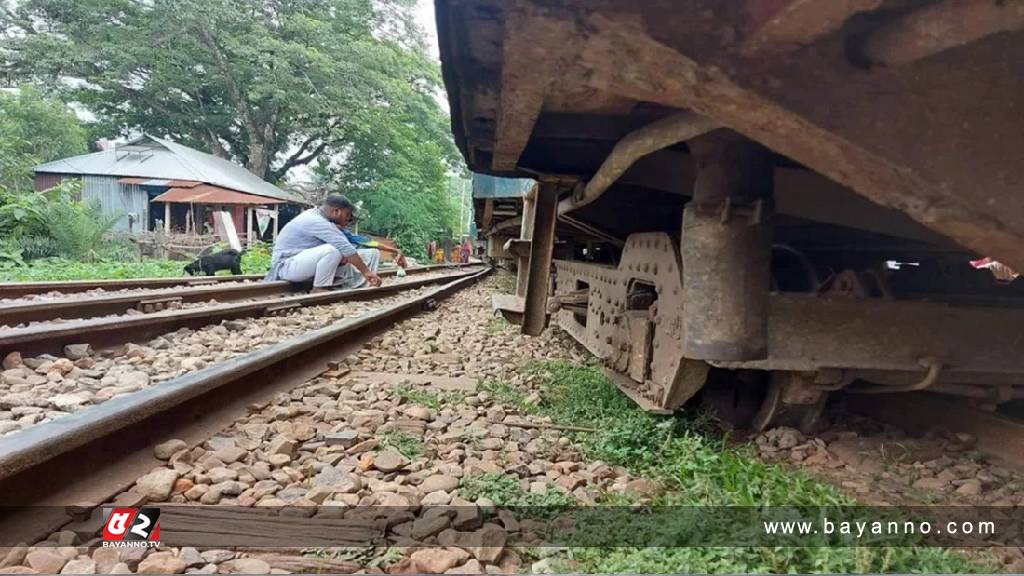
point(131, 527)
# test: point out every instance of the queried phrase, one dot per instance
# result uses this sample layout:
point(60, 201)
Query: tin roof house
point(156, 184)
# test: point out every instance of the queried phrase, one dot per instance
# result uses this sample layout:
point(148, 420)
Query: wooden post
point(248, 226)
point(167, 217)
point(277, 218)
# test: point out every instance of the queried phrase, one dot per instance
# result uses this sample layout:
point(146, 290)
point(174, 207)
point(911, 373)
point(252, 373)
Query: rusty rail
point(22, 313)
point(20, 289)
point(101, 332)
point(918, 412)
point(96, 453)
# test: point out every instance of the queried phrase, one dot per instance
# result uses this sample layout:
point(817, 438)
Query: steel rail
point(917, 413)
point(100, 332)
point(20, 289)
point(94, 454)
point(91, 307)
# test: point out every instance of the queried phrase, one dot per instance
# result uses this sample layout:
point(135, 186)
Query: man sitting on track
point(313, 246)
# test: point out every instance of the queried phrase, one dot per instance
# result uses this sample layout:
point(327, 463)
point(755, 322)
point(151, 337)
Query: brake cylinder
point(726, 250)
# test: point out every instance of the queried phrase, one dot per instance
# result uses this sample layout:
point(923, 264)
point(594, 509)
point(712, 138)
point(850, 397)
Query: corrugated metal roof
point(207, 194)
point(155, 158)
point(159, 182)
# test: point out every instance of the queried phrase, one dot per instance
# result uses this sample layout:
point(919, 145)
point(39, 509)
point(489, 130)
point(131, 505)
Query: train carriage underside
point(786, 192)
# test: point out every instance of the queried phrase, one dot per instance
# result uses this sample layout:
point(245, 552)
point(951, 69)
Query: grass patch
point(367, 556)
point(52, 269)
point(432, 400)
point(505, 491)
point(506, 394)
point(497, 325)
point(55, 269)
point(700, 469)
point(406, 444)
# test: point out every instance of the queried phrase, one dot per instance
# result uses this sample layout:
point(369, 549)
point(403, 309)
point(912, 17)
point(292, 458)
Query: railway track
point(91, 455)
point(22, 289)
point(118, 443)
point(51, 338)
point(992, 433)
point(142, 301)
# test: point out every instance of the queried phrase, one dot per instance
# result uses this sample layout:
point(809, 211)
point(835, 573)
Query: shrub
point(77, 228)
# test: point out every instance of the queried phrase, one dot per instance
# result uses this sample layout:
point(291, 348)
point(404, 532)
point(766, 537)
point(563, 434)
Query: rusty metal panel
point(807, 332)
point(46, 181)
point(209, 194)
point(641, 336)
point(652, 258)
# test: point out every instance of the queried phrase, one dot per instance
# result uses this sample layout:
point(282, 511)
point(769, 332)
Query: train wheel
point(734, 396)
point(784, 404)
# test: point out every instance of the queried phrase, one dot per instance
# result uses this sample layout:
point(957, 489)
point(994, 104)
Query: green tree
point(34, 129)
point(400, 176)
point(273, 84)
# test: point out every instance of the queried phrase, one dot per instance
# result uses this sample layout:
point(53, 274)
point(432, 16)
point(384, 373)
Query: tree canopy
point(271, 83)
point(345, 86)
point(34, 129)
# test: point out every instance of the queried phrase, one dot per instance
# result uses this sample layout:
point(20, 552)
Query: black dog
point(222, 260)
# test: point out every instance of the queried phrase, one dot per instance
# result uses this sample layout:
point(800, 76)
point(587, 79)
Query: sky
point(425, 18)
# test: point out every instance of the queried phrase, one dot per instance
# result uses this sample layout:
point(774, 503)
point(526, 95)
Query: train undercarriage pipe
point(659, 134)
point(726, 251)
point(929, 380)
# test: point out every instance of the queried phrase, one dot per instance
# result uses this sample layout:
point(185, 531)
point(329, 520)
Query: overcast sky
point(425, 18)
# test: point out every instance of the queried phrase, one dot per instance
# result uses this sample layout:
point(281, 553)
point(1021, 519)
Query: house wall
point(119, 199)
point(46, 181)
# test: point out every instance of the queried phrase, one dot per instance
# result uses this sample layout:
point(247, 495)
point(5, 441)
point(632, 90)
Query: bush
point(256, 259)
point(51, 223)
point(36, 247)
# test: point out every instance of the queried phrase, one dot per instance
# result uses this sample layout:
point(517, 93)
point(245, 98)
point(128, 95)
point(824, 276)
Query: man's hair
point(337, 201)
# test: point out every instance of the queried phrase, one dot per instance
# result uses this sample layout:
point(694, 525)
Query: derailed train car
point(764, 201)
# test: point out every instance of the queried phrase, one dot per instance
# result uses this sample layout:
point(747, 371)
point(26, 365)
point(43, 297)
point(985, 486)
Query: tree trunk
point(213, 145)
point(259, 159)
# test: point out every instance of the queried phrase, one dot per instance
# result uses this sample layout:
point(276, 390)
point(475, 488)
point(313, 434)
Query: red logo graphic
point(138, 526)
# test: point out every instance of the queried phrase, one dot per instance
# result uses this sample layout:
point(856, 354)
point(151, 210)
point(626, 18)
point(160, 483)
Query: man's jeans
point(321, 264)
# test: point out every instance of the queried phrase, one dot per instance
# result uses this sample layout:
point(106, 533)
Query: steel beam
point(539, 269)
point(808, 333)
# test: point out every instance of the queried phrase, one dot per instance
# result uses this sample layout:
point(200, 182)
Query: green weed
point(51, 269)
point(506, 394)
point(432, 400)
point(505, 491)
point(497, 325)
point(699, 469)
point(505, 282)
point(406, 444)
